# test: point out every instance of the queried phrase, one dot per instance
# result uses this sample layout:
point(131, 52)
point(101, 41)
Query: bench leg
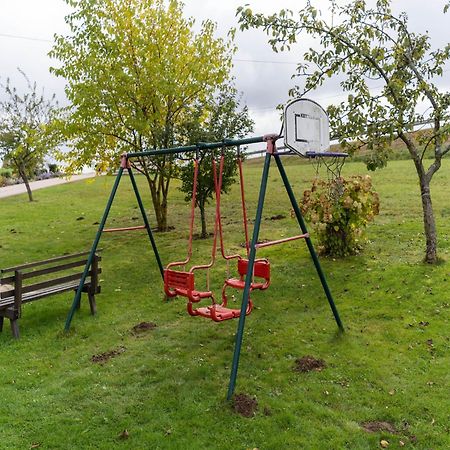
point(92, 303)
point(15, 328)
point(1, 323)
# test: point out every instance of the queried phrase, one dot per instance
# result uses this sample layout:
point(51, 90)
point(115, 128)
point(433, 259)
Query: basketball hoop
point(307, 133)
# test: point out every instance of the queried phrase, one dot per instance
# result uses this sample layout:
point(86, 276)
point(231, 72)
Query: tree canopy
point(220, 119)
point(135, 71)
point(360, 44)
point(26, 130)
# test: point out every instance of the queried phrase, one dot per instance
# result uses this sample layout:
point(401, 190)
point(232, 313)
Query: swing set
point(305, 133)
point(182, 282)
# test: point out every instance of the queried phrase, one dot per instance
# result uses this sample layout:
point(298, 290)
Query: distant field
point(166, 386)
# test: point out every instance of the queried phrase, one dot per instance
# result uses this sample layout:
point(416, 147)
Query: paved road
point(21, 189)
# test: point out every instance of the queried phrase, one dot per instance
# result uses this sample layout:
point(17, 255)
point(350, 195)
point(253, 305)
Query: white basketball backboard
point(306, 127)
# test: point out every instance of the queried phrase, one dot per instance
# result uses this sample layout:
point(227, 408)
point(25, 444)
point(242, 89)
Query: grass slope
point(167, 386)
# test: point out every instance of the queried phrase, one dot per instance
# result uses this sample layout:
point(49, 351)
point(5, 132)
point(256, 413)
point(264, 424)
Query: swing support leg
point(302, 224)
point(76, 300)
point(146, 222)
point(124, 165)
point(248, 278)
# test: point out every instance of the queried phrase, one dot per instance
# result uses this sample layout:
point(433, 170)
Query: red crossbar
point(112, 230)
point(281, 241)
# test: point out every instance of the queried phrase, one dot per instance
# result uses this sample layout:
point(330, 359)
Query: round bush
point(339, 211)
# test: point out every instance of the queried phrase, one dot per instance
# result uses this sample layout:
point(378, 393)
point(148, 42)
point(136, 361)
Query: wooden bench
point(36, 280)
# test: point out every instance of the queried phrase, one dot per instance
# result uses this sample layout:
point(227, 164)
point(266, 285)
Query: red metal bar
point(113, 230)
point(219, 217)
point(191, 224)
point(217, 188)
point(281, 241)
point(244, 209)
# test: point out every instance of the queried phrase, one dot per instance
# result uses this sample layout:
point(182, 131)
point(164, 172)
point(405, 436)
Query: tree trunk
point(427, 207)
point(429, 222)
point(201, 207)
point(159, 202)
point(27, 184)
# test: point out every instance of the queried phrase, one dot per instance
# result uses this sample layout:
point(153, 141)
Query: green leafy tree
point(220, 119)
point(361, 44)
point(135, 71)
point(26, 130)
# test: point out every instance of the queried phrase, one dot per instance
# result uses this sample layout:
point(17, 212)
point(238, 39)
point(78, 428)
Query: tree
point(135, 71)
point(361, 44)
point(26, 135)
point(220, 119)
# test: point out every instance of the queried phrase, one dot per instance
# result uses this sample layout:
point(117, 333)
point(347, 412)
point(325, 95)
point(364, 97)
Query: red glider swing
point(181, 282)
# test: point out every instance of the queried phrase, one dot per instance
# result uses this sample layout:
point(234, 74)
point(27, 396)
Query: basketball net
point(335, 182)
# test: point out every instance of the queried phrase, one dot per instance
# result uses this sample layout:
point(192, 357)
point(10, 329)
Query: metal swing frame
point(271, 153)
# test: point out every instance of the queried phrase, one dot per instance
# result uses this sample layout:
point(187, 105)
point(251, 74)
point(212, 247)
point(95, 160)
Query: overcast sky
point(263, 76)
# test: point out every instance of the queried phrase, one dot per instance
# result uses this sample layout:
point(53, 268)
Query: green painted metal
point(146, 222)
point(196, 147)
point(314, 257)
point(76, 300)
point(248, 278)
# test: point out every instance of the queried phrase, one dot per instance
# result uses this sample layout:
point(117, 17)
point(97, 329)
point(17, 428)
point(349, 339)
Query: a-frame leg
point(77, 298)
point(248, 278)
point(302, 224)
point(146, 222)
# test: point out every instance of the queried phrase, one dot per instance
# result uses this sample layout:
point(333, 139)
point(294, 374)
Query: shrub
point(339, 211)
point(53, 168)
point(6, 173)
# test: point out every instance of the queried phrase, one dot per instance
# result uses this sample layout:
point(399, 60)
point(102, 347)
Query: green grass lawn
point(167, 386)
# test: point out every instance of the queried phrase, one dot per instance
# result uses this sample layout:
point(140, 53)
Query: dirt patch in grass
point(198, 236)
point(375, 426)
point(245, 405)
point(104, 357)
point(143, 327)
point(309, 363)
point(277, 217)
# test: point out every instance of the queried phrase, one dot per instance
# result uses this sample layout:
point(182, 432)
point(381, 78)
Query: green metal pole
point(198, 146)
point(146, 222)
point(302, 224)
point(248, 278)
point(77, 298)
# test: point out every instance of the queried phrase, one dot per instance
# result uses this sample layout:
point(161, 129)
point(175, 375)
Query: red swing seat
point(182, 283)
point(261, 269)
point(219, 313)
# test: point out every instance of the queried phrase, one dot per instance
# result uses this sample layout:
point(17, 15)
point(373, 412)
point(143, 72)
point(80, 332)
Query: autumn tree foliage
point(135, 72)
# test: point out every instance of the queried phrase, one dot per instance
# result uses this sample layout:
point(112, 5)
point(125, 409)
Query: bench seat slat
point(35, 295)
